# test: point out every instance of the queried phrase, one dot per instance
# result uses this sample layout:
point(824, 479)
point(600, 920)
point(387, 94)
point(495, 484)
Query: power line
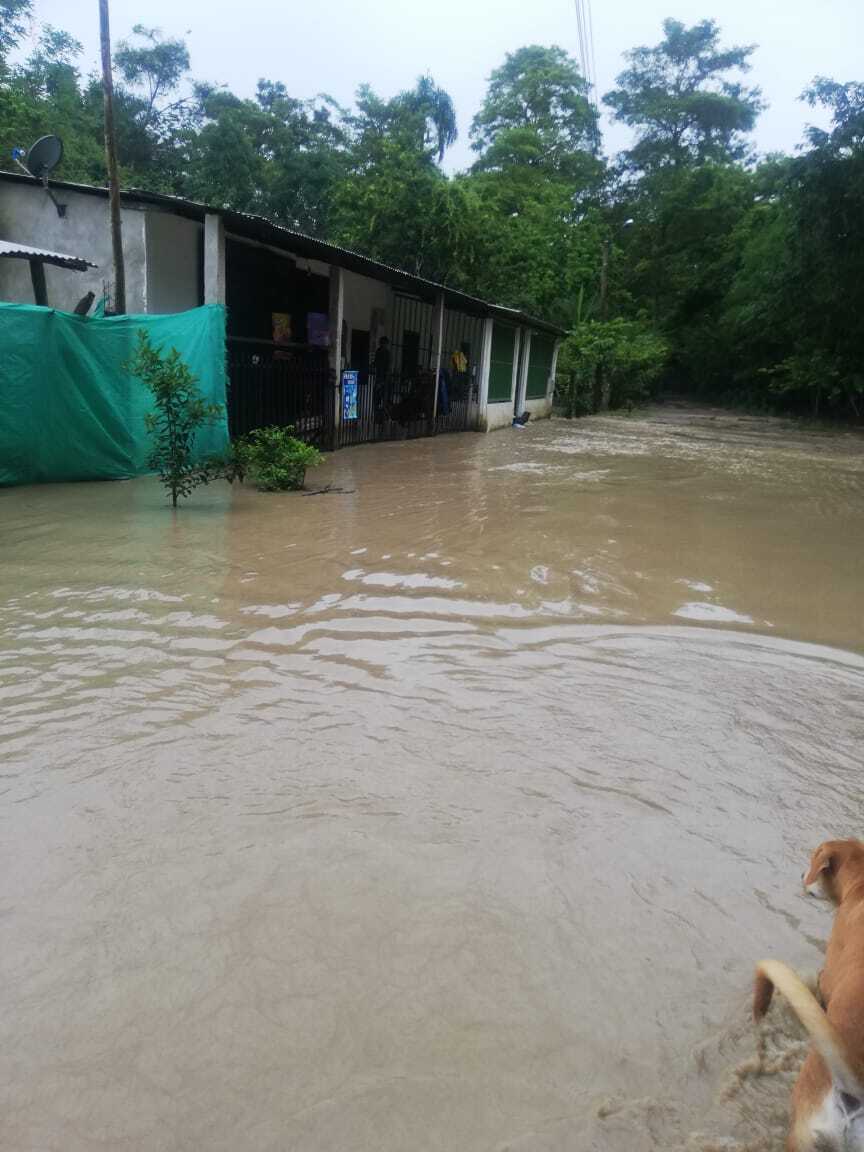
point(593, 54)
point(588, 59)
point(583, 40)
point(594, 78)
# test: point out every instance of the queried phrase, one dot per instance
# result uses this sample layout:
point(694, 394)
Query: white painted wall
point(539, 409)
point(483, 379)
point(522, 376)
point(499, 415)
point(362, 296)
point(172, 262)
point(27, 216)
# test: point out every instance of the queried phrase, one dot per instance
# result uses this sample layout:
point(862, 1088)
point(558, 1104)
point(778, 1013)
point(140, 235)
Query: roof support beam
point(214, 259)
point(522, 381)
point(40, 288)
point(336, 320)
point(438, 329)
point(485, 367)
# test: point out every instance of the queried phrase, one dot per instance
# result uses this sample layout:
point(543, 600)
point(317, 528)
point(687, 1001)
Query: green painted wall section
point(539, 367)
point(501, 363)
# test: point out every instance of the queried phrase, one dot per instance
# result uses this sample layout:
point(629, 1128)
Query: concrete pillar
point(335, 316)
point(37, 276)
point(516, 366)
point(438, 330)
point(550, 384)
point(483, 381)
point(518, 406)
point(214, 259)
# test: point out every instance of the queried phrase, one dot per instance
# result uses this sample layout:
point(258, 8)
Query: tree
point(156, 66)
point(536, 112)
point(536, 247)
point(846, 104)
point(535, 180)
point(434, 109)
point(274, 155)
point(392, 200)
point(15, 16)
point(394, 204)
point(43, 95)
point(816, 304)
point(680, 258)
point(608, 364)
point(180, 411)
point(51, 70)
point(680, 99)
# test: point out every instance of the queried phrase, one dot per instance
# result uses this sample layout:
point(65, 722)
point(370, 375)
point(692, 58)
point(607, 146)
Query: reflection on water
point(447, 811)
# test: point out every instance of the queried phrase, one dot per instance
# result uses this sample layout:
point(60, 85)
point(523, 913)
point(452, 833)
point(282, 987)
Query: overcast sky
point(334, 45)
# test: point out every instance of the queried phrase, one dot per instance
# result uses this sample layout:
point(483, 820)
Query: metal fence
point(459, 398)
point(291, 385)
point(390, 409)
point(274, 384)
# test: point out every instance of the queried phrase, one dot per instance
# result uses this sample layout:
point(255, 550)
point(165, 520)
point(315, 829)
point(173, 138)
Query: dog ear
point(824, 861)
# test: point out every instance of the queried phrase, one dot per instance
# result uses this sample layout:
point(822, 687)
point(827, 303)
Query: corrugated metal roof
point(25, 252)
point(251, 227)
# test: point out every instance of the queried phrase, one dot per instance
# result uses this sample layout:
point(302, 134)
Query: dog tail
point(771, 974)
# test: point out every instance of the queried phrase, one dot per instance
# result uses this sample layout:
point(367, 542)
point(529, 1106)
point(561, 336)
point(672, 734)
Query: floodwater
point(446, 809)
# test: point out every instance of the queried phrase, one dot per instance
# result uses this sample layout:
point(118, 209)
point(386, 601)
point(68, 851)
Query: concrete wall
point(539, 409)
point(173, 254)
point(362, 297)
point(498, 416)
point(27, 216)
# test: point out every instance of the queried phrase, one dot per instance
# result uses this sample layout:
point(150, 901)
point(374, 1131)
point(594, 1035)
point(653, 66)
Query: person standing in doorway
point(382, 361)
point(382, 373)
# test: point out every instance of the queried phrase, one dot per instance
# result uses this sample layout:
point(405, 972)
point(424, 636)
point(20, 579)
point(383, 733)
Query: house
point(304, 318)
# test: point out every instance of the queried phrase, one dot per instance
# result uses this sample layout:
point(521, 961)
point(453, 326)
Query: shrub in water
point(275, 459)
point(180, 411)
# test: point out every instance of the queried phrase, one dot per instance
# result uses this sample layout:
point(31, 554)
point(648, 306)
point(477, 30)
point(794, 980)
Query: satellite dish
point(44, 156)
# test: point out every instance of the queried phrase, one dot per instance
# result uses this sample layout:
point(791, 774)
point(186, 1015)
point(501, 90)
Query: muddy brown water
point(448, 809)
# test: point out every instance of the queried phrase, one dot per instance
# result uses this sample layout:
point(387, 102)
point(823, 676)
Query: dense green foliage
point(738, 278)
point(180, 411)
point(609, 363)
point(274, 459)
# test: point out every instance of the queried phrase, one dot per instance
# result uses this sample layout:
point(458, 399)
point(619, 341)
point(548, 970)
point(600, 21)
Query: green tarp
point(69, 409)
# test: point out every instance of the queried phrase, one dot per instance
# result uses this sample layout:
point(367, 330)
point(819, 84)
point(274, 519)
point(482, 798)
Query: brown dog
point(828, 1098)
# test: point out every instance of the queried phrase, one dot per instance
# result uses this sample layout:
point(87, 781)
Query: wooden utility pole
point(111, 163)
point(601, 392)
point(604, 280)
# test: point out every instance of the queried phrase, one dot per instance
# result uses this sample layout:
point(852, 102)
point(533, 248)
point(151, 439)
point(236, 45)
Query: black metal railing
point(284, 385)
point(393, 409)
point(402, 409)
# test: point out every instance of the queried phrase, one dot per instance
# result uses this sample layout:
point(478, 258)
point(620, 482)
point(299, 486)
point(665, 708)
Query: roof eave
point(266, 231)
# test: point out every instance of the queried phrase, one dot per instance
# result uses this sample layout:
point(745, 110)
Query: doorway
point(360, 353)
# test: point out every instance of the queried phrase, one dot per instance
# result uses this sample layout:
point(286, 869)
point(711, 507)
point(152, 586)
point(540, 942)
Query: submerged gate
point(271, 384)
point(398, 402)
point(292, 385)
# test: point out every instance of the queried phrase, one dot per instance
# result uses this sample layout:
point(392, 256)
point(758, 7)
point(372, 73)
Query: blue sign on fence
point(349, 395)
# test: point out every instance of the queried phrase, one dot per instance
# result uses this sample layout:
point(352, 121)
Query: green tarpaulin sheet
point(69, 409)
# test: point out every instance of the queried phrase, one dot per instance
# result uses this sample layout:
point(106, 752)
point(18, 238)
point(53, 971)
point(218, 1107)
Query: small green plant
point(180, 411)
point(234, 464)
point(275, 459)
